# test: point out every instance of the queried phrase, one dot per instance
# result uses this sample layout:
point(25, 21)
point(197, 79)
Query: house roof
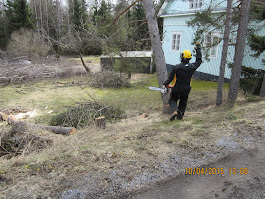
point(192, 12)
point(163, 12)
point(162, 8)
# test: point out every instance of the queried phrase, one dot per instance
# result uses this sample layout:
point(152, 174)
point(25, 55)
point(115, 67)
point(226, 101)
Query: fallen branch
point(22, 57)
point(126, 10)
point(22, 125)
point(5, 79)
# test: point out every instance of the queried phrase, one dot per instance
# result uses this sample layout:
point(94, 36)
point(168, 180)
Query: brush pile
point(84, 114)
point(110, 79)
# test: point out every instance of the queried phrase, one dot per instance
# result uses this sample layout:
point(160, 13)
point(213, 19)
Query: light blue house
point(178, 37)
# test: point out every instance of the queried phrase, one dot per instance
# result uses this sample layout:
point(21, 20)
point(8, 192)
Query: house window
point(211, 44)
point(195, 4)
point(175, 42)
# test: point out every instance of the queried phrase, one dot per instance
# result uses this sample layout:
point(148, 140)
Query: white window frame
point(175, 41)
point(195, 4)
point(213, 50)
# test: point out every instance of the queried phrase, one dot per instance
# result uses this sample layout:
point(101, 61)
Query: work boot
point(179, 115)
point(173, 116)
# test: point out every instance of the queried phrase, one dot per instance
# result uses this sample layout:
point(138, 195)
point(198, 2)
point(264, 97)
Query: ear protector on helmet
point(185, 55)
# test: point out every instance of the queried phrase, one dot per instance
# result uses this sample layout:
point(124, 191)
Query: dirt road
point(225, 185)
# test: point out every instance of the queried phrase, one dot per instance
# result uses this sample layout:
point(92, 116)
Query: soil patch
point(26, 71)
point(242, 176)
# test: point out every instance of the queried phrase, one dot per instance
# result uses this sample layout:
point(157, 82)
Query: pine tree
point(141, 35)
point(18, 15)
point(95, 12)
point(219, 97)
point(78, 13)
point(103, 19)
point(257, 42)
point(3, 39)
point(239, 51)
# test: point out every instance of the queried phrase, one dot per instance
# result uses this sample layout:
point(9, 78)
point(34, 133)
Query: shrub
point(85, 113)
point(110, 79)
point(27, 43)
point(251, 81)
point(125, 66)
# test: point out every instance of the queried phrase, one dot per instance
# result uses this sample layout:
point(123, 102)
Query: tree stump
point(101, 122)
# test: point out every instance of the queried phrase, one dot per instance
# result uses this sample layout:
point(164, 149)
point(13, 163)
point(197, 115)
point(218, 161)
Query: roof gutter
point(187, 14)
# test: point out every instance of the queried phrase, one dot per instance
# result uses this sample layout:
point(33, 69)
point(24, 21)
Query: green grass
point(199, 85)
point(56, 96)
point(93, 59)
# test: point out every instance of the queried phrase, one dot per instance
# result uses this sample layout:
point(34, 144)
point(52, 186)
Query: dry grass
point(133, 145)
point(88, 59)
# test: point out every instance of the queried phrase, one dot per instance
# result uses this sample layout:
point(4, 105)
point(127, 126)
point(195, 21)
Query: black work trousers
point(181, 94)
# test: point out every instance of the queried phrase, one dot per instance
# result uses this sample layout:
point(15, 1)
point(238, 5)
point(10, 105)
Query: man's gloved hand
point(163, 87)
point(197, 46)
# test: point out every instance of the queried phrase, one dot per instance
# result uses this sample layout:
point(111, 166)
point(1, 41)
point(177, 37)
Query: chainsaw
point(162, 90)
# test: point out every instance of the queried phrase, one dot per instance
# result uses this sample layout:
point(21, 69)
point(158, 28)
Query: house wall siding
point(249, 60)
point(178, 24)
point(175, 14)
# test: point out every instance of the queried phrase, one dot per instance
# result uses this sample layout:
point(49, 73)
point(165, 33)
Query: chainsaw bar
point(158, 89)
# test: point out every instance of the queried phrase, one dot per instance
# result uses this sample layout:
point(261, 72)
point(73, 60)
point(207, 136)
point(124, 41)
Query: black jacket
point(184, 72)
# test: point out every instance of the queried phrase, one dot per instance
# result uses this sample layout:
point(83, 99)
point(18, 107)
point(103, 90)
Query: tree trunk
point(85, 66)
point(262, 89)
point(157, 49)
point(36, 15)
point(101, 122)
point(47, 18)
point(55, 129)
point(23, 126)
point(219, 98)
point(239, 51)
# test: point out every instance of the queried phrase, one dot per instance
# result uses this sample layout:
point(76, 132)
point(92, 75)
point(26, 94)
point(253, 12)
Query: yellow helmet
point(186, 54)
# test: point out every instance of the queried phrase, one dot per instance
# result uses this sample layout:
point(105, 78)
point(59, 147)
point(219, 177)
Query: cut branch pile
point(85, 114)
point(110, 79)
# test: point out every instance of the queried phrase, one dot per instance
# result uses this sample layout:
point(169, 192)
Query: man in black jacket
point(181, 76)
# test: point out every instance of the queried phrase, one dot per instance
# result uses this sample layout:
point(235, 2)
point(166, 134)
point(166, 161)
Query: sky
point(91, 1)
